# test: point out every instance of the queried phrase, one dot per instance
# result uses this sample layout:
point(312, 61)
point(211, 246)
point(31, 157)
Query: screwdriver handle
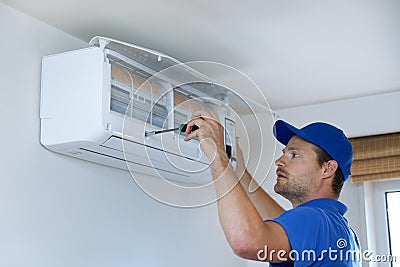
point(183, 126)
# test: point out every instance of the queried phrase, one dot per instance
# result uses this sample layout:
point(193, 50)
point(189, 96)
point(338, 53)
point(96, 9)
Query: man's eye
point(295, 155)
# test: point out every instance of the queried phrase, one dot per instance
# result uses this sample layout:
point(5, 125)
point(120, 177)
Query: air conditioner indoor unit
point(97, 104)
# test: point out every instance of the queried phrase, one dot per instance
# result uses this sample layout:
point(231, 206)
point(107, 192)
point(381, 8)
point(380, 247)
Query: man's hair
point(338, 178)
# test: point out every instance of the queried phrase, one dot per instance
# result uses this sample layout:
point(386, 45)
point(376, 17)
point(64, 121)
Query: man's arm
point(243, 226)
point(266, 206)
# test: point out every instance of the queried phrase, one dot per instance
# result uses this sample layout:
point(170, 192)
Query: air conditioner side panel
point(72, 103)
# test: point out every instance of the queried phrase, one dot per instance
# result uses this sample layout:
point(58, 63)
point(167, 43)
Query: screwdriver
point(181, 128)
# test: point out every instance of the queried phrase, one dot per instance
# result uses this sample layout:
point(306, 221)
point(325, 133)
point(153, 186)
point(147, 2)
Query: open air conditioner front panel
point(98, 102)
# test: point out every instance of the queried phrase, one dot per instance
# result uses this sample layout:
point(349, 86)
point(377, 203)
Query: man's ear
point(329, 168)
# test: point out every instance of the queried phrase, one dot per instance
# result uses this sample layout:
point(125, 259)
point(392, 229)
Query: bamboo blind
point(376, 157)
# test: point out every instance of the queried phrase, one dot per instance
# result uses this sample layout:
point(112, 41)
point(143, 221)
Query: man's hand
point(210, 133)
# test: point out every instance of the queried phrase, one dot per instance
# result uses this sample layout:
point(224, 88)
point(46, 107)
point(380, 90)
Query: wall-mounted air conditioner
point(97, 103)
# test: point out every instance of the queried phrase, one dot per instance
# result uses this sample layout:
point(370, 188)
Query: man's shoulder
point(313, 212)
point(303, 210)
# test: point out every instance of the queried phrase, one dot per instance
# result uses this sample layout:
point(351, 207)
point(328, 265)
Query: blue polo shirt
point(319, 235)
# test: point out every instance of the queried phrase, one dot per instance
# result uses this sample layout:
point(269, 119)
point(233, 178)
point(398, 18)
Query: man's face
point(298, 171)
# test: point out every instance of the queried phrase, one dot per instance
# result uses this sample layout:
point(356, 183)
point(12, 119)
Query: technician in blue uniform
point(310, 174)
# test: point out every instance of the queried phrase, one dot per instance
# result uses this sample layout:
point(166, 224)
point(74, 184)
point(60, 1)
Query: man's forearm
point(241, 222)
point(266, 206)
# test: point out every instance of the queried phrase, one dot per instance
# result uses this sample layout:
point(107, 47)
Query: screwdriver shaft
point(181, 128)
point(160, 131)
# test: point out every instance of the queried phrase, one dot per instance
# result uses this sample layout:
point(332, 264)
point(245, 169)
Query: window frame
point(379, 241)
point(388, 222)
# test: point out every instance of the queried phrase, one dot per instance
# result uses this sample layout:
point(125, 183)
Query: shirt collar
point(327, 203)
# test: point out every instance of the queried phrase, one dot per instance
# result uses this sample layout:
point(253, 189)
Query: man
point(310, 173)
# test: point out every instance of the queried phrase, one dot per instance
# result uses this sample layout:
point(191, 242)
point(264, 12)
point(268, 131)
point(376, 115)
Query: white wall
point(357, 117)
point(60, 211)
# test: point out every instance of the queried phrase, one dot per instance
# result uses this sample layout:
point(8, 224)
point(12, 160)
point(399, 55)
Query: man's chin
point(278, 187)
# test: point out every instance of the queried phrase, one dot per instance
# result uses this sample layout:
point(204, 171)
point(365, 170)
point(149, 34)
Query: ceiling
point(297, 52)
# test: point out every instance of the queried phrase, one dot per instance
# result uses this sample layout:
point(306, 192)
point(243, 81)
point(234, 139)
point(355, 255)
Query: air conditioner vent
point(138, 107)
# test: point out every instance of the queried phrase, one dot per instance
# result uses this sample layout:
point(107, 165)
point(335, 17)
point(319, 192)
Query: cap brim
point(283, 132)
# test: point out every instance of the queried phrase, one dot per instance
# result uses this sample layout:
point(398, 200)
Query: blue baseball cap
point(328, 137)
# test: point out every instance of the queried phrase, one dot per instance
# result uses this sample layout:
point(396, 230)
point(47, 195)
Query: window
point(393, 221)
point(382, 211)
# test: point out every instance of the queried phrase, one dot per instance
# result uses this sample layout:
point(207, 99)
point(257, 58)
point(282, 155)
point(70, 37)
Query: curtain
point(376, 157)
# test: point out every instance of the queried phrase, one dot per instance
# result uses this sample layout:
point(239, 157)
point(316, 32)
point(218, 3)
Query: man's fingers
point(197, 121)
point(192, 128)
point(200, 120)
point(191, 136)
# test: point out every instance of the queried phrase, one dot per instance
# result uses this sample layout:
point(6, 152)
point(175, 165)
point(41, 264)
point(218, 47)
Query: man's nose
point(279, 162)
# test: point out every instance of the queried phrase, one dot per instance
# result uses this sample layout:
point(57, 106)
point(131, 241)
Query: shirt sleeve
point(305, 229)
